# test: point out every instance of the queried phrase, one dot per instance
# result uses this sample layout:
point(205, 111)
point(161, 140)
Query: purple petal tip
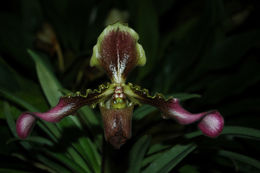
point(24, 125)
point(212, 124)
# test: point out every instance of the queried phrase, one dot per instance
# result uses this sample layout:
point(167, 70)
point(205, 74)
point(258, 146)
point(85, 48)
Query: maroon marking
point(118, 49)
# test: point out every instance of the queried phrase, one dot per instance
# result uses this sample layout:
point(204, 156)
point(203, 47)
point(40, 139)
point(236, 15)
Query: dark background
point(202, 47)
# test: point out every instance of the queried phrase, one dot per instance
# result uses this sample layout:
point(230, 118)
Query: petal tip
point(212, 124)
point(24, 125)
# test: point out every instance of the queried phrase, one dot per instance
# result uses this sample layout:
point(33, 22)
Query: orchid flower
point(117, 51)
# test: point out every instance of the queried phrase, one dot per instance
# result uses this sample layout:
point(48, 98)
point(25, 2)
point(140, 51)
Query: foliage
point(205, 49)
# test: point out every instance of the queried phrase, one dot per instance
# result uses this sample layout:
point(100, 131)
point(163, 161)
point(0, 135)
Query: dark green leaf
point(33, 139)
point(89, 117)
point(52, 164)
point(151, 158)
point(74, 152)
point(18, 85)
point(90, 153)
point(142, 111)
point(68, 162)
point(51, 87)
point(9, 118)
point(147, 27)
point(240, 157)
point(137, 154)
point(238, 131)
point(188, 169)
point(170, 159)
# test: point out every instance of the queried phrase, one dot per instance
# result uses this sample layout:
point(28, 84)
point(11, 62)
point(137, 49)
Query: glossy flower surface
point(117, 52)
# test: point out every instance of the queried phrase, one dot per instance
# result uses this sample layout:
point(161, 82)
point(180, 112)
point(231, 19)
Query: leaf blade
point(170, 158)
point(238, 131)
point(240, 157)
point(137, 154)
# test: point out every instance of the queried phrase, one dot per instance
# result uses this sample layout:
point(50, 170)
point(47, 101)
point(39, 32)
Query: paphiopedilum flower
point(117, 51)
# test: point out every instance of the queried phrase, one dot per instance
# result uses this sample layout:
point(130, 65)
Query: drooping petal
point(177, 112)
point(67, 105)
point(118, 52)
point(24, 125)
point(211, 122)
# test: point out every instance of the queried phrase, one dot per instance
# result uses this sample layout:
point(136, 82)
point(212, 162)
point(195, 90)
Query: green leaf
point(158, 147)
point(18, 86)
point(90, 154)
point(93, 123)
point(240, 157)
point(170, 159)
point(51, 87)
point(151, 158)
point(137, 154)
point(78, 159)
point(52, 164)
point(17, 100)
point(9, 119)
point(68, 162)
point(142, 111)
point(146, 22)
point(243, 132)
point(33, 139)
point(188, 169)
point(89, 117)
